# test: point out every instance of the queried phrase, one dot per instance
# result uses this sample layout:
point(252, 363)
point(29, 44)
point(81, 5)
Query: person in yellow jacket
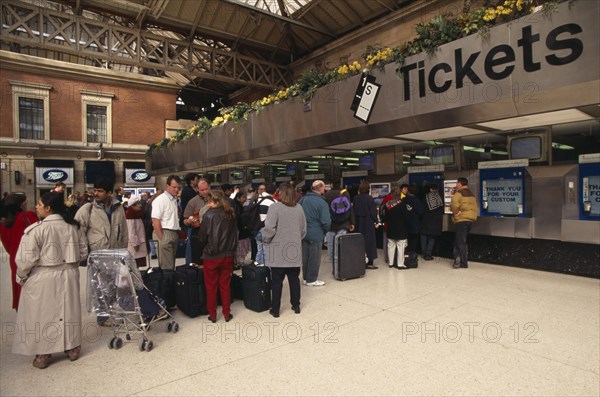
point(464, 213)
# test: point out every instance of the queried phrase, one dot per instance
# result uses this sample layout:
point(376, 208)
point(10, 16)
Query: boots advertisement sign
point(47, 177)
point(138, 177)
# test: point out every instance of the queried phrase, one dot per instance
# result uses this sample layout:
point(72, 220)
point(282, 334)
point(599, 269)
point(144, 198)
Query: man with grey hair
point(318, 222)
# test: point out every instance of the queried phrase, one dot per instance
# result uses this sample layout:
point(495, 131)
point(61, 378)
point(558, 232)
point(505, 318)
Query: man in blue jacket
point(318, 222)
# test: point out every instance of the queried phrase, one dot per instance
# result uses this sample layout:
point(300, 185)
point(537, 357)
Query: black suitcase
point(190, 292)
point(411, 260)
point(160, 282)
point(349, 256)
point(256, 281)
point(237, 287)
point(181, 245)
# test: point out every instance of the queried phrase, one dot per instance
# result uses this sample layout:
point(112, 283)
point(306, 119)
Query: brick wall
point(138, 114)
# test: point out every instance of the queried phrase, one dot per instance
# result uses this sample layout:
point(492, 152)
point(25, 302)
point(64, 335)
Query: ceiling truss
point(30, 25)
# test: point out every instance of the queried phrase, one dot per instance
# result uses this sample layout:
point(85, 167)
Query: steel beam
point(38, 27)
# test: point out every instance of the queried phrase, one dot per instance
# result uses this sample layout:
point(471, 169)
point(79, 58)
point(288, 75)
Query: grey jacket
point(285, 227)
point(100, 233)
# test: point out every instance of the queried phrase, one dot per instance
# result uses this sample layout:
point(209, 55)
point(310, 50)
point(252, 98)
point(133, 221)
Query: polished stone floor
point(487, 330)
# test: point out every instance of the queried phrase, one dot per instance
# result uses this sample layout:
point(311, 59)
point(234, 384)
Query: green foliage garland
point(440, 30)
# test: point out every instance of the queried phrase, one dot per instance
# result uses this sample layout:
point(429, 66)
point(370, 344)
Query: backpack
point(339, 209)
point(250, 217)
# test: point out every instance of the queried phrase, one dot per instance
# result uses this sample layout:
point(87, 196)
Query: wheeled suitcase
point(257, 287)
point(190, 292)
point(237, 287)
point(349, 256)
point(181, 245)
point(160, 282)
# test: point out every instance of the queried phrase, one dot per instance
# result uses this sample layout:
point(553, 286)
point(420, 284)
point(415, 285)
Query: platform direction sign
point(364, 79)
point(367, 102)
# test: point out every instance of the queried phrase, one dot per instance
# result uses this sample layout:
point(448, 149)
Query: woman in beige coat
point(135, 231)
point(48, 270)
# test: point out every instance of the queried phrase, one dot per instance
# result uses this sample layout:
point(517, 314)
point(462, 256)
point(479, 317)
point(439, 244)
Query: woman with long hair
point(48, 269)
point(11, 231)
point(244, 245)
point(285, 227)
point(72, 204)
point(218, 235)
point(136, 244)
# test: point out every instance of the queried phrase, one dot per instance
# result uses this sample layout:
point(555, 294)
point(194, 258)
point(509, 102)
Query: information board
point(591, 194)
point(503, 196)
point(449, 190)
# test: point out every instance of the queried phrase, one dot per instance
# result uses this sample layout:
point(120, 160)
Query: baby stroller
point(117, 295)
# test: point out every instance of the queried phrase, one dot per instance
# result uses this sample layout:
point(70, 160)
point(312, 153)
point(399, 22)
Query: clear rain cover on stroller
point(111, 289)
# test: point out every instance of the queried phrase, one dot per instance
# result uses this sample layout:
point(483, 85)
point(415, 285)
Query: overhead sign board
point(138, 177)
point(48, 176)
point(367, 100)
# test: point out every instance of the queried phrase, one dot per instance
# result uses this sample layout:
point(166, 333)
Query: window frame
point(39, 91)
point(96, 98)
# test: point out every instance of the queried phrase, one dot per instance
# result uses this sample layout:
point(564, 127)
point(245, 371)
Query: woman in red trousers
point(218, 235)
point(11, 231)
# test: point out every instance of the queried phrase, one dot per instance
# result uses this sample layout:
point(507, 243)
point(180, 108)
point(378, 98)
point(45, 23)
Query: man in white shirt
point(165, 220)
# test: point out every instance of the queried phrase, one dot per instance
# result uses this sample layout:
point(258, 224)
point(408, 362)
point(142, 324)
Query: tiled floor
point(487, 330)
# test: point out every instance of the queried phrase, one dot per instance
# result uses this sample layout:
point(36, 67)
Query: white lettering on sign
point(52, 176)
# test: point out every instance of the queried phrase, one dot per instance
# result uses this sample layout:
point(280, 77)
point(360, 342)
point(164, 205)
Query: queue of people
point(290, 235)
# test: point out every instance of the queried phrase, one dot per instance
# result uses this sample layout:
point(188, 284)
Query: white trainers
point(316, 283)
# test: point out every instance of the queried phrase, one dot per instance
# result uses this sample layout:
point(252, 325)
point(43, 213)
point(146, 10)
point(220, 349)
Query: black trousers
point(413, 242)
point(461, 232)
point(253, 247)
point(277, 276)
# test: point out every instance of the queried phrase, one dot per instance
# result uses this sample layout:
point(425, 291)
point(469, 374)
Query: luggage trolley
point(117, 296)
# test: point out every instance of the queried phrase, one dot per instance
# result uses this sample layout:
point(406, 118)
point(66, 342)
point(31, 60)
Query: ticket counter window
point(589, 182)
point(505, 192)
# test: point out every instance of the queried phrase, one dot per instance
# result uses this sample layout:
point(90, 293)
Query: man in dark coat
point(431, 222)
point(413, 209)
point(365, 213)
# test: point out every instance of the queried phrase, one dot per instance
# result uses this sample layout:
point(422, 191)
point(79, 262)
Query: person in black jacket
point(218, 235)
point(396, 228)
point(431, 221)
point(413, 209)
point(365, 213)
